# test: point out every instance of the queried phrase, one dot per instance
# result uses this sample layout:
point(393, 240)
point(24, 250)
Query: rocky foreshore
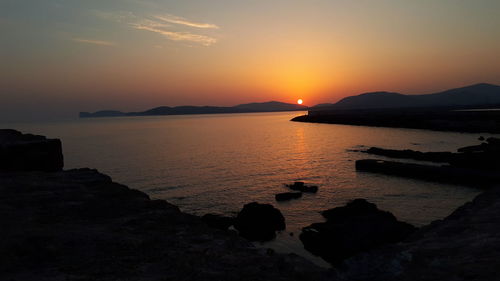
point(463, 246)
point(80, 225)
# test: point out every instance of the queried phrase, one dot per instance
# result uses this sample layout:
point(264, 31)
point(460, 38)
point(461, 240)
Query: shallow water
point(218, 163)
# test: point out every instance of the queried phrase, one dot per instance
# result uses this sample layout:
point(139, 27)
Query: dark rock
point(493, 142)
point(80, 225)
point(412, 154)
point(218, 221)
point(481, 138)
point(259, 222)
point(287, 196)
point(296, 185)
point(463, 246)
point(299, 186)
point(357, 227)
point(310, 189)
point(476, 176)
point(26, 152)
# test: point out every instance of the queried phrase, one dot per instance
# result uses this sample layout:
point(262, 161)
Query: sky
point(59, 57)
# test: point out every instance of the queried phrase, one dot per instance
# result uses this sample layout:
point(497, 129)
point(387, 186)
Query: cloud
point(95, 42)
point(179, 36)
point(183, 21)
point(166, 25)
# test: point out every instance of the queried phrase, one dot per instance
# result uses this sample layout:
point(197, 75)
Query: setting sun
point(299, 101)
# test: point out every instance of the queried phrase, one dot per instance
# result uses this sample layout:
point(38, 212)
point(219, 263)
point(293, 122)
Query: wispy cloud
point(183, 21)
point(94, 42)
point(179, 36)
point(167, 25)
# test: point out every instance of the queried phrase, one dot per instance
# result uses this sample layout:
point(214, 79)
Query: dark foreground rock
point(218, 221)
point(259, 222)
point(357, 227)
point(27, 152)
point(463, 246)
point(79, 225)
point(285, 196)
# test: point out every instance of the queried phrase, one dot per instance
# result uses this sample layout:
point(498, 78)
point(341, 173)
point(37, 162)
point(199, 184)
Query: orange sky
point(61, 57)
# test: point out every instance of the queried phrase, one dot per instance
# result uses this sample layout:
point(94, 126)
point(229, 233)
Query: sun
point(300, 101)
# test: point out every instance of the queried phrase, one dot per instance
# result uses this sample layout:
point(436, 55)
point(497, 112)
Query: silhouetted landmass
point(475, 95)
point(465, 109)
point(354, 228)
point(271, 106)
point(438, 119)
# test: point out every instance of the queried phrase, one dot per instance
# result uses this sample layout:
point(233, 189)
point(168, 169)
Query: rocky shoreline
point(437, 119)
point(80, 225)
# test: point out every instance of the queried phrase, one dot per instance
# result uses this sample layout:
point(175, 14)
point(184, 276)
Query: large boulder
point(357, 227)
point(259, 222)
point(27, 152)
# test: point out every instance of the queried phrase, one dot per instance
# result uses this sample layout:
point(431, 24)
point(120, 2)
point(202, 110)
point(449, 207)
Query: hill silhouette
point(271, 106)
point(475, 95)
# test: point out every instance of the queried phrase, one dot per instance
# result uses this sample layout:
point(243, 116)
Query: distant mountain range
point(470, 96)
point(271, 106)
point(474, 95)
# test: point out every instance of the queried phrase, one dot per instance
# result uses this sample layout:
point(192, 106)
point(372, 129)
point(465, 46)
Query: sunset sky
point(59, 57)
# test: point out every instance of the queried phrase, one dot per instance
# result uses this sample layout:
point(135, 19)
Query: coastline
point(436, 119)
point(80, 225)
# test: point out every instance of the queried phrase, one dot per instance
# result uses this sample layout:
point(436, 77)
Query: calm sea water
point(218, 163)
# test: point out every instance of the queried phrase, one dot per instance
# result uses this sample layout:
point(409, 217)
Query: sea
point(217, 163)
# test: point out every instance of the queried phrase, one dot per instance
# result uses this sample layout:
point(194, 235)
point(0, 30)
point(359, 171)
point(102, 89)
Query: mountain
point(474, 95)
point(377, 100)
point(270, 106)
point(180, 110)
point(102, 113)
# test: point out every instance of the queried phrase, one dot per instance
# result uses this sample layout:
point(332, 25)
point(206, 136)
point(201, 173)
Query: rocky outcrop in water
point(259, 222)
point(477, 165)
point(285, 196)
point(463, 246)
point(357, 227)
point(300, 186)
point(27, 152)
point(412, 154)
point(446, 174)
